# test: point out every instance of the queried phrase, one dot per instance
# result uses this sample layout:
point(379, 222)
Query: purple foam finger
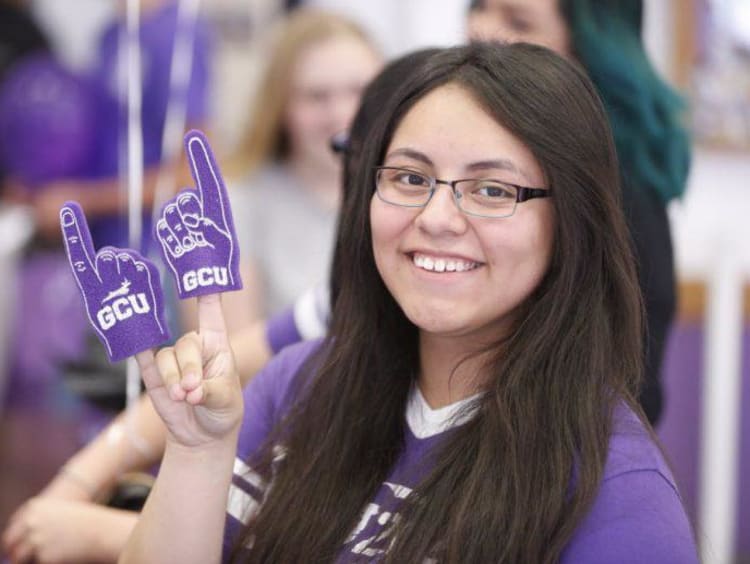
point(202, 217)
point(120, 290)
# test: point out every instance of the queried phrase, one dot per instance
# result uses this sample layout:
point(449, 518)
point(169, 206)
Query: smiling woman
point(477, 412)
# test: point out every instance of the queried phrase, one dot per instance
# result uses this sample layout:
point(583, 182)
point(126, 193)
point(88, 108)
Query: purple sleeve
point(267, 396)
point(637, 517)
point(281, 330)
point(307, 319)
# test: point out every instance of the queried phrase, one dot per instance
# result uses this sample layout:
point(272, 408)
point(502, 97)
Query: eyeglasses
point(481, 197)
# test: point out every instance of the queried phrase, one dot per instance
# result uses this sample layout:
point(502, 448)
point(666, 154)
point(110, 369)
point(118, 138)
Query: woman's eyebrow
point(493, 164)
point(477, 166)
point(498, 164)
point(411, 154)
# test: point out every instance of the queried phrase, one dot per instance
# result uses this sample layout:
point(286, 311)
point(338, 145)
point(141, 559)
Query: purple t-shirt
point(636, 517)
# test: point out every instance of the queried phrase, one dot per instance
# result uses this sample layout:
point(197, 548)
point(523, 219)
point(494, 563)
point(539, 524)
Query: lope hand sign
point(196, 230)
point(120, 289)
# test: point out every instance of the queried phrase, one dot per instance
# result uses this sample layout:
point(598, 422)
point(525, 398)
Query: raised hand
point(194, 385)
point(196, 230)
point(120, 290)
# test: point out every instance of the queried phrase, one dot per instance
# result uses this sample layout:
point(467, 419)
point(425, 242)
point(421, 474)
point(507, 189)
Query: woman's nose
point(441, 214)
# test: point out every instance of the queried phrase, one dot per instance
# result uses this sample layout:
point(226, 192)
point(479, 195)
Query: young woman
point(474, 400)
point(289, 182)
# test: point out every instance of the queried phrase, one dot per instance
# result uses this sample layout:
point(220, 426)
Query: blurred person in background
point(62, 137)
point(286, 187)
point(645, 114)
point(98, 189)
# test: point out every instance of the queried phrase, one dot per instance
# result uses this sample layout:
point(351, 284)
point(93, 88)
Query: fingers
point(181, 368)
point(168, 239)
point(78, 244)
point(16, 542)
point(106, 264)
point(211, 316)
point(169, 369)
point(149, 370)
point(208, 180)
point(126, 267)
point(15, 530)
point(191, 214)
point(173, 218)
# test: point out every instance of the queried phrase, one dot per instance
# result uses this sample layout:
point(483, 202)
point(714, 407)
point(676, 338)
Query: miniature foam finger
point(212, 265)
point(124, 304)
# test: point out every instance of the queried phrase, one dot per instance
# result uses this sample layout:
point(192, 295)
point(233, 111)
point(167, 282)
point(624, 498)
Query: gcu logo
point(204, 277)
point(121, 309)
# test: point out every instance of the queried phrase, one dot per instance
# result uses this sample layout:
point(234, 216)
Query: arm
point(134, 440)
point(196, 391)
point(56, 530)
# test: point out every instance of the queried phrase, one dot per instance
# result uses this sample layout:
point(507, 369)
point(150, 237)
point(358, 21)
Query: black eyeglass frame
point(523, 193)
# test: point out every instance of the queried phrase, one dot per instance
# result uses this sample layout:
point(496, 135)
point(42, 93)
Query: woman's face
point(532, 21)
point(326, 84)
point(490, 266)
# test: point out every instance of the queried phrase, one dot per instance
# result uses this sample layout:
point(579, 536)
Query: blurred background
point(63, 104)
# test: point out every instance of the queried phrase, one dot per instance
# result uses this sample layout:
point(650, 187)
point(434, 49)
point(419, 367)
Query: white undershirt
point(425, 421)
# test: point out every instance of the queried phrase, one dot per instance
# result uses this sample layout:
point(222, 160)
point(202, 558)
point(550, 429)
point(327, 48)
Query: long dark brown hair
point(512, 484)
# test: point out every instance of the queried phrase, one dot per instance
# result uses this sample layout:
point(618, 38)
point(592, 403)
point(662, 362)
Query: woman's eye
point(412, 179)
point(494, 191)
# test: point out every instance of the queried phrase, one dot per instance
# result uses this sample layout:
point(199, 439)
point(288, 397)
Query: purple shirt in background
point(636, 517)
point(157, 34)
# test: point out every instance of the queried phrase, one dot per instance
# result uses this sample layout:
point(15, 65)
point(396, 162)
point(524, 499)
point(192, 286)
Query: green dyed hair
point(645, 113)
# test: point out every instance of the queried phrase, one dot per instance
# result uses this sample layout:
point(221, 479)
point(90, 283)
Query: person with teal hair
point(653, 148)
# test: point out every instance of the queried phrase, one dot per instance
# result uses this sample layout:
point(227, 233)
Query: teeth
point(443, 265)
